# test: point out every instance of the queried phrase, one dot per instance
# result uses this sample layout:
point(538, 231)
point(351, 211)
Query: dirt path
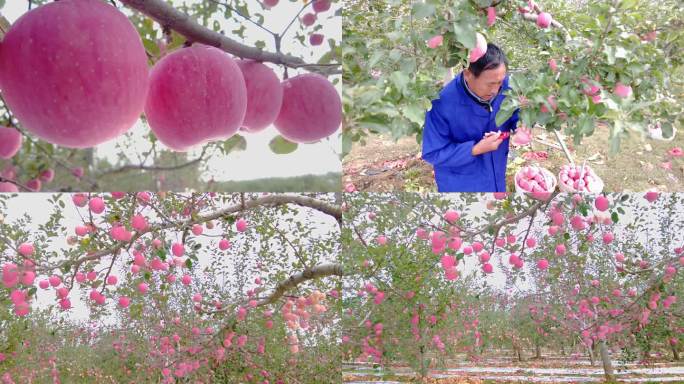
point(485, 373)
point(384, 166)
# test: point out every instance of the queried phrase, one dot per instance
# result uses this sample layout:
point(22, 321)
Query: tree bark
point(647, 350)
point(423, 368)
point(607, 363)
point(675, 353)
point(591, 355)
point(537, 351)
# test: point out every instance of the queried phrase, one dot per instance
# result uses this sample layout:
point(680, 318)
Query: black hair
point(490, 60)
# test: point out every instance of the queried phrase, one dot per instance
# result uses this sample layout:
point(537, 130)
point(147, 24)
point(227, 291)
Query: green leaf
point(377, 56)
point(235, 143)
point(346, 143)
point(151, 46)
point(400, 80)
point(614, 217)
point(188, 263)
point(584, 209)
point(421, 10)
point(281, 146)
point(414, 113)
point(465, 35)
point(504, 113)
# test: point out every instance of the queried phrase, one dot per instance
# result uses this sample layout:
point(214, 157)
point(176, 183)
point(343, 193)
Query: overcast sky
point(257, 161)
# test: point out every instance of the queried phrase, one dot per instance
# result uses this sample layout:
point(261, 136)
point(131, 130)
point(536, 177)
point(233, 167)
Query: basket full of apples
point(579, 178)
point(535, 180)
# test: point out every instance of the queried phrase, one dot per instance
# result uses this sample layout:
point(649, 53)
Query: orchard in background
point(167, 287)
point(430, 277)
point(85, 81)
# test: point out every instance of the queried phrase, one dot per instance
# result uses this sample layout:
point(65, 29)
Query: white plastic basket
point(597, 187)
point(549, 178)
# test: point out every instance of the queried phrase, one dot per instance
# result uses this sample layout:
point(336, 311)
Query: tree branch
point(22, 186)
point(168, 16)
point(154, 168)
point(317, 272)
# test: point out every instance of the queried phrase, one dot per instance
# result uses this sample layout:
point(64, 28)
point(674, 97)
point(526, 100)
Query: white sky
point(257, 161)
point(39, 209)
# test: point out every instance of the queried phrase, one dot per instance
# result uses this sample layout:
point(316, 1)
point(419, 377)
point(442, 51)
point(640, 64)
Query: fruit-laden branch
point(168, 16)
point(24, 187)
point(316, 272)
point(651, 285)
point(272, 200)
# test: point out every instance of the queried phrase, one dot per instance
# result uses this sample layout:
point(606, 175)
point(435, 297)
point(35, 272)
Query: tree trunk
point(591, 355)
point(647, 350)
point(607, 364)
point(537, 351)
point(562, 350)
point(675, 353)
point(518, 352)
point(423, 367)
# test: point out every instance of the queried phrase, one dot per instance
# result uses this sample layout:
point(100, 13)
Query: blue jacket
point(455, 123)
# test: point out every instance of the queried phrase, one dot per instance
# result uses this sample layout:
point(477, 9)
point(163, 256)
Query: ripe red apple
point(542, 264)
point(34, 185)
point(47, 175)
point(264, 95)
point(622, 90)
point(491, 16)
point(311, 109)
point(552, 101)
point(321, 5)
point(601, 203)
point(544, 20)
point(435, 41)
point(553, 65)
point(74, 72)
point(308, 19)
point(651, 196)
point(197, 94)
point(479, 50)
point(8, 187)
point(10, 142)
point(315, 39)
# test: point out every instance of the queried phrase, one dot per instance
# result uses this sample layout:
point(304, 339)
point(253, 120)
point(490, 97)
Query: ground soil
point(383, 165)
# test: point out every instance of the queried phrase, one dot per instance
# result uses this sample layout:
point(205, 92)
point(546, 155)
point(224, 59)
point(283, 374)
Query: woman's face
point(489, 82)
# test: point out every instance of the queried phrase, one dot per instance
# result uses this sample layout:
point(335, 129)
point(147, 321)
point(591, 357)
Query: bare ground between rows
point(383, 165)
